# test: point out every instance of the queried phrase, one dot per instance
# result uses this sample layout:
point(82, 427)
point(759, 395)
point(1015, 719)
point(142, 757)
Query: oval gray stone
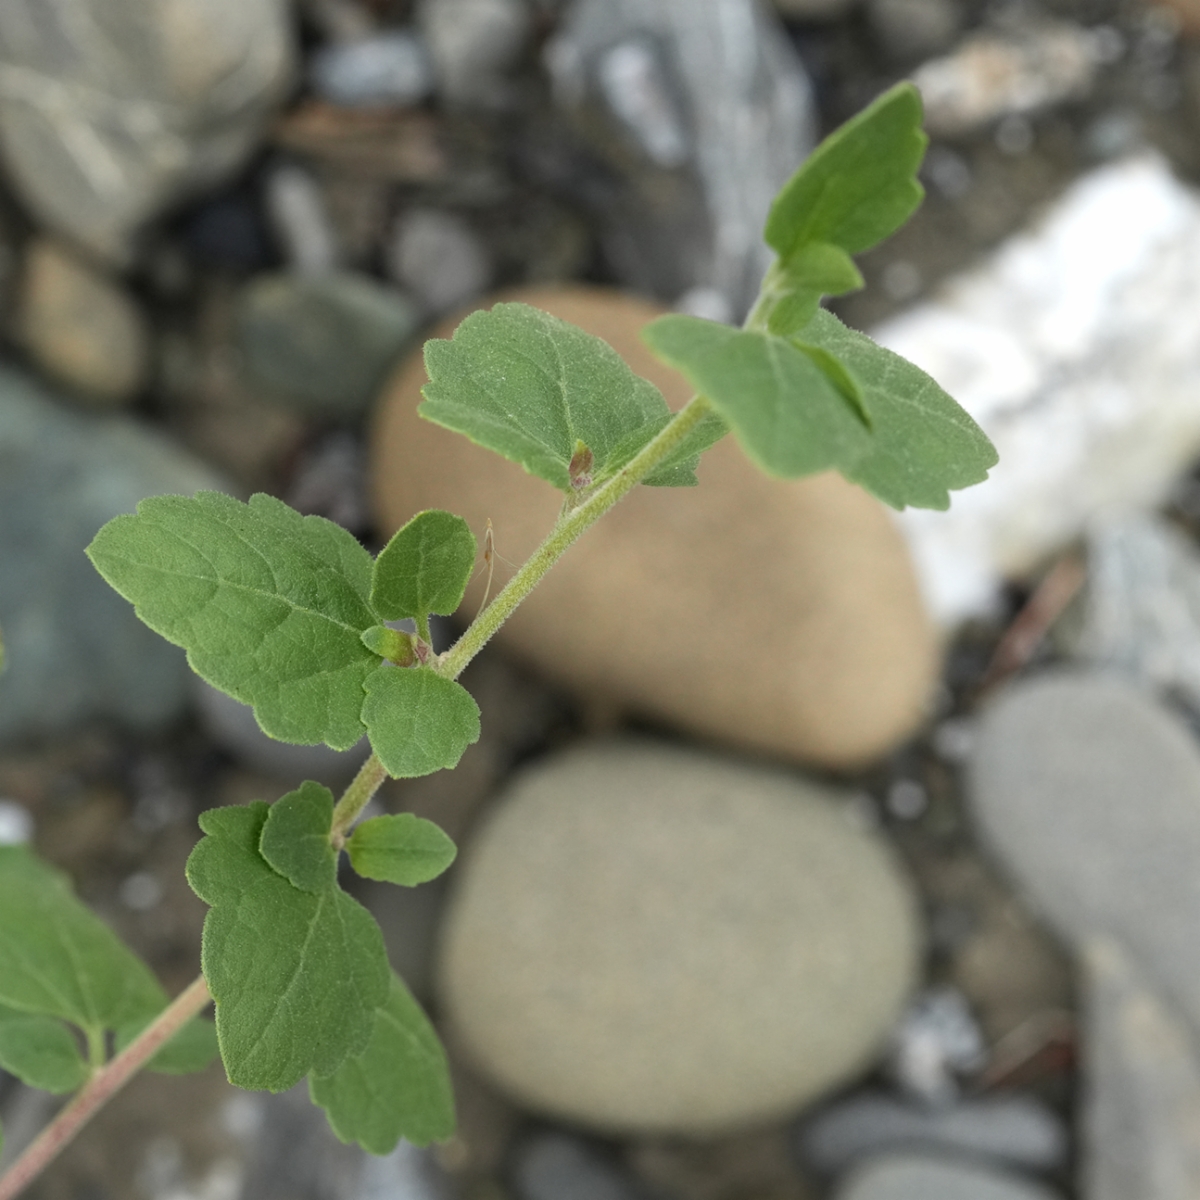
point(649, 939)
point(1089, 791)
point(916, 1177)
point(74, 648)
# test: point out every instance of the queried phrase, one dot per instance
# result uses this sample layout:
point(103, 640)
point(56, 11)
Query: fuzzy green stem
point(355, 798)
point(568, 527)
point(97, 1048)
point(102, 1086)
point(423, 628)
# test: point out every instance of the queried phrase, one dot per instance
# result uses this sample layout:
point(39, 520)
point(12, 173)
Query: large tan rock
point(779, 616)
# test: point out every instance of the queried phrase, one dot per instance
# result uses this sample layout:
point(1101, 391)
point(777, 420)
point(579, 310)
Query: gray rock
point(1141, 608)
point(473, 44)
point(1016, 1131)
point(296, 212)
point(1141, 1107)
point(937, 1039)
point(322, 343)
point(703, 111)
point(110, 112)
point(647, 939)
point(232, 726)
point(81, 326)
point(439, 259)
point(1089, 792)
point(16, 823)
point(75, 649)
point(386, 68)
point(908, 29)
point(815, 10)
point(914, 1177)
point(558, 1166)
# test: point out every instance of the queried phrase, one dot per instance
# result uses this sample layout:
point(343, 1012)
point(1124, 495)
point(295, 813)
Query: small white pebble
point(907, 799)
point(16, 824)
point(141, 892)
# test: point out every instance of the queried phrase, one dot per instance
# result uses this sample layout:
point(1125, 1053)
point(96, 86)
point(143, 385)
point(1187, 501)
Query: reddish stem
point(102, 1087)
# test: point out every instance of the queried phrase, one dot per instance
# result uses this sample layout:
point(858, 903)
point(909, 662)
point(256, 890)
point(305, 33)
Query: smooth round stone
point(780, 616)
point(1089, 792)
point(81, 326)
point(915, 1177)
point(648, 939)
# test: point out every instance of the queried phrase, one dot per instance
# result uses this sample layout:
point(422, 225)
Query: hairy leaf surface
point(57, 958)
point(418, 721)
point(268, 604)
point(40, 1051)
point(923, 444)
point(295, 838)
point(424, 568)
point(296, 976)
point(531, 387)
point(402, 849)
point(784, 410)
point(398, 1087)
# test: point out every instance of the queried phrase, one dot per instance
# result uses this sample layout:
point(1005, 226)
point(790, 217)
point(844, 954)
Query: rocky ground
point(854, 859)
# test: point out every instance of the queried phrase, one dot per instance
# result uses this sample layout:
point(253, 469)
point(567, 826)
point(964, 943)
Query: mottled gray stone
point(1141, 1104)
point(473, 44)
point(1088, 791)
point(384, 68)
point(1016, 1131)
point(439, 259)
point(914, 1177)
point(111, 110)
point(75, 648)
point(559, 1166)
point(323, 342)
point(644, 938)
point(703, 111)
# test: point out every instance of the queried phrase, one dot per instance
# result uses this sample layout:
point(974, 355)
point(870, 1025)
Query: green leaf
point(859, 185)
point(785, 412)
point(418, 721)
point(40, 1051)
point(424, 568)
point(190, 1050)
point(400, 849)
point(57, 958)
point(268, 604)
point(295, 838)
point(923, 445)
point(532, 388)
point(398, 1087)
point(296, 976)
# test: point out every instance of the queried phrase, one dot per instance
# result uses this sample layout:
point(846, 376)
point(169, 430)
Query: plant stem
point(568, 527)
point(423, 628)
point(354, 799)
point(101, 1087)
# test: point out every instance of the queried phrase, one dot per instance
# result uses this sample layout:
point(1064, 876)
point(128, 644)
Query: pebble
point(996, 74)
point(106, 123)
point(700, 113)
point(935, 1041)
point(75, 649)
point(473, 43)
point(807, 584)
point(1073, 349)
point(914, 29)
point(16, 823)
point(437, 258)
point(322, 342)
point(81, 326)
point(1141, 1094)
point(815, 10)
point(296, 212)
point(560, 1166)
point(1017, 1131)
point(385, 68)
point(1140, 615)
point(647, 939)
point(1088, 791)
point(916, 1177)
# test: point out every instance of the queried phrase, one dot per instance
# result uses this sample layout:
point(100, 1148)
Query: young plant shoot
point(290, 615)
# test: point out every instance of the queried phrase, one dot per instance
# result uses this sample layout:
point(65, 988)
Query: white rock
point(1075, 348)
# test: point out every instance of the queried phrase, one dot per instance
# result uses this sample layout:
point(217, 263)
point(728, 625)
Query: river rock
point(806, 585)
point(82, 326)
point(648, 939)
point(322, 342)
point(1089, 792)
point(110, 112)
point(74, 647)
point(915, 1177)
point(1141, 1106)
